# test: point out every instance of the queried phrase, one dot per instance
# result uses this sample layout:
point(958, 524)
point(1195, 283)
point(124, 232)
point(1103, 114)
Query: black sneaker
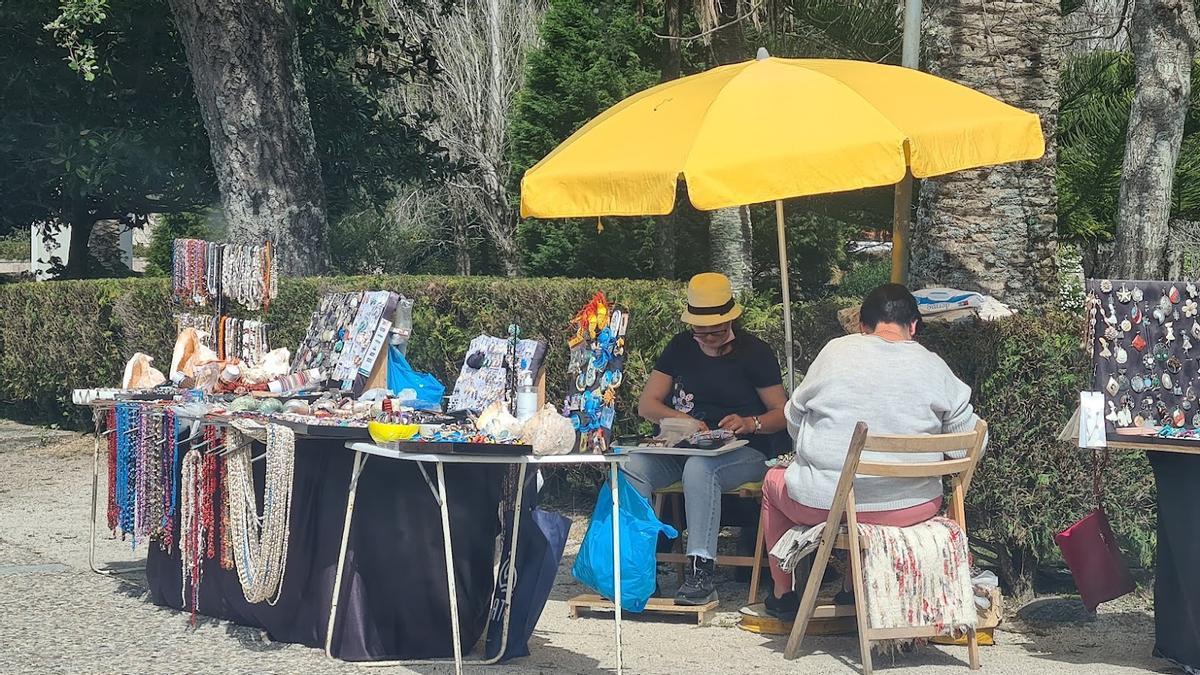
point(784, 608)
point(699, 583)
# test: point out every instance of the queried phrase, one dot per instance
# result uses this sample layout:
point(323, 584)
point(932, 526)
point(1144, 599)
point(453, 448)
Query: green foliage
point(352, 61)
point(1097, 92)
point(15, 247)
point(866, 30)
point(76, 17)
point(174, 226)
point(865, 276)
point(591, 57)
point(119, 146)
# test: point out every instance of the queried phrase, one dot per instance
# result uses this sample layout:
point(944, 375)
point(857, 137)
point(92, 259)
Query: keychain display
point(1139, 335)
point(596, 367)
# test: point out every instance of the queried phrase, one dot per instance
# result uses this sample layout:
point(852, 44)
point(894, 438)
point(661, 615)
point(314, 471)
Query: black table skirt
point(1177, 577)
point(393, 597)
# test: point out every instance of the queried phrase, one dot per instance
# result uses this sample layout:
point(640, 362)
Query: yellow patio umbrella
point(771, 129)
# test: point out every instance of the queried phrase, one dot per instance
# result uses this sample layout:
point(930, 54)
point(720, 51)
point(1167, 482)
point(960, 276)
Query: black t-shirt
point(711, 387)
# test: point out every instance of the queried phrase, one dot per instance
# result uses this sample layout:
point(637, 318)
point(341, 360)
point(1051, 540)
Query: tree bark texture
point(994, 229)
point(729, 230)
point(670, 69)
point(1163, 43)
point(672, 53)
point(730, 237)
point(245, 65)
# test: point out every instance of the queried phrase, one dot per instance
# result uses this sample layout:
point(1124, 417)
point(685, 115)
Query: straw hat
point(710, 300)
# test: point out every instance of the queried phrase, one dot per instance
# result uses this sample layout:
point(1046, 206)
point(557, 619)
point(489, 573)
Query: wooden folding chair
point(841, 529)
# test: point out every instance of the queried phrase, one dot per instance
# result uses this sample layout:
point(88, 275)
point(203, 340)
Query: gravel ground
point(56, 616)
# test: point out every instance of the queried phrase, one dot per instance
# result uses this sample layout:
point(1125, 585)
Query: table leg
point(616, 506)
point(360, 460)
point(95, 492)
point(450, 585)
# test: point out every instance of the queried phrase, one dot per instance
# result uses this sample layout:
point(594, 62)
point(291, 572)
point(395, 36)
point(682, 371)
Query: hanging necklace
point(191, 532)
point(114, 435)
point(260, 550)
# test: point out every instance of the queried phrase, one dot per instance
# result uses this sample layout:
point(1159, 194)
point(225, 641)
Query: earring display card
point(482, 379)
point(345, 336)
point(1144, 340)
point(328, 330)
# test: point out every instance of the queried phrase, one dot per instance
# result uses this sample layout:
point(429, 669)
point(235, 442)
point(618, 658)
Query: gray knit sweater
point(896, 388)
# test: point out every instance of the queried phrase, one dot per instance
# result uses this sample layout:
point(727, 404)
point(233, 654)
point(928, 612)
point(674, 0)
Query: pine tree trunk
point(1163, 49)
point(994, 229)
point(729, 230)
point(730, 237)
point(245, 65)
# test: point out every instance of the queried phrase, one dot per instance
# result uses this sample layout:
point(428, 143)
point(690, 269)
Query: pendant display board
point(1144, 342)
point(346, 339)
point(482, 379)
point(597, 369)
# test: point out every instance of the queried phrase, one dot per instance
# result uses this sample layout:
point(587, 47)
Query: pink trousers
point(781, 513)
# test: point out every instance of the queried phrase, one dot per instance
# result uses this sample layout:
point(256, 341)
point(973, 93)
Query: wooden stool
point(746, 491)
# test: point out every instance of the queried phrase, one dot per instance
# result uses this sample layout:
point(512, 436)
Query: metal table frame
point(362, 451)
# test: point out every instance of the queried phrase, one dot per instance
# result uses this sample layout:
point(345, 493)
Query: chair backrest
point(961, 470)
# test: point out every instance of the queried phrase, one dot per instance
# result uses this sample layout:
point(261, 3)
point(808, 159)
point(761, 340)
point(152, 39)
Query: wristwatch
point(757, 424)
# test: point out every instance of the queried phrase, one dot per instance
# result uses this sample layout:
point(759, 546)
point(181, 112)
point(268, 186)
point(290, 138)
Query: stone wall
point(994, 229)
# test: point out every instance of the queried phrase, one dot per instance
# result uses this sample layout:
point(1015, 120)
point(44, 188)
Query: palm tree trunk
point(1164, 46)
point(729, 230)
point(994, 229)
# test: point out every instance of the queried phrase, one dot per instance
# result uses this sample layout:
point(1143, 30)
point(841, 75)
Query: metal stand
point(95, 496)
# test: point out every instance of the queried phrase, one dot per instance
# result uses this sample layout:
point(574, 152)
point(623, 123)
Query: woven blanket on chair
point(918, 576)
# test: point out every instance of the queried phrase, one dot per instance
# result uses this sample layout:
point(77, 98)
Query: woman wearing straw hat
point(723, 377)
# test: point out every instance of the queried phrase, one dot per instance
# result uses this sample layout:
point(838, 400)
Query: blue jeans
point(704, 479)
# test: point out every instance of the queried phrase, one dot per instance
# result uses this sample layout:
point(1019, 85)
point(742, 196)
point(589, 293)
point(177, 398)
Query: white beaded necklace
point(260, 551)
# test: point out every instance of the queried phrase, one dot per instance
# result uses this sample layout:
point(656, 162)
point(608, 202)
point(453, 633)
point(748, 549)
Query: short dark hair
point(889, 303)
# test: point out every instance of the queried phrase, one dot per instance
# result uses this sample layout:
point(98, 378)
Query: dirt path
point(57, 616)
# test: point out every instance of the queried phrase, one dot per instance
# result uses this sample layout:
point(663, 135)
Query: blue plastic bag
point(401, 376)
point(639, 541)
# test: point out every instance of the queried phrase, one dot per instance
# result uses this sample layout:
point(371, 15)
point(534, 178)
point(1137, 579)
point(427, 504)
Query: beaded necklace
point(113, 435)
point(226, 542)
point(124, 497)
point(191, 530)
point(169, 459)
point(141, 497)
point(151, 462)
point(260, 550)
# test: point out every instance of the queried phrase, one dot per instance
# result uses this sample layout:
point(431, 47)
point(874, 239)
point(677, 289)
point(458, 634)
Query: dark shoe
point(784, 608)
point(844, 598)
point(699, 582)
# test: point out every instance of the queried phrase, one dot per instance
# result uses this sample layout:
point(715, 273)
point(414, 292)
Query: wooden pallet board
point(595, 603)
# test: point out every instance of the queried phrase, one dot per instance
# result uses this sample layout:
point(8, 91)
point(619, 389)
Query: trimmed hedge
point(1025, 373)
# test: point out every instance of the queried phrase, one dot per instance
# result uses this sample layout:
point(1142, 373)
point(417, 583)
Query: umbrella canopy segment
point(773, 129)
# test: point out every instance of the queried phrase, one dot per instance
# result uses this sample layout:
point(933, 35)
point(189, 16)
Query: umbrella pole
point(901, 210)
point(787, 294)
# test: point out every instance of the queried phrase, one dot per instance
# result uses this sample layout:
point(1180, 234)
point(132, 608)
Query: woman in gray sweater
point(881, 377)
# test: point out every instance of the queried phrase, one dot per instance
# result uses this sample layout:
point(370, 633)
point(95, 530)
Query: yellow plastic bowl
point(387, 432)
